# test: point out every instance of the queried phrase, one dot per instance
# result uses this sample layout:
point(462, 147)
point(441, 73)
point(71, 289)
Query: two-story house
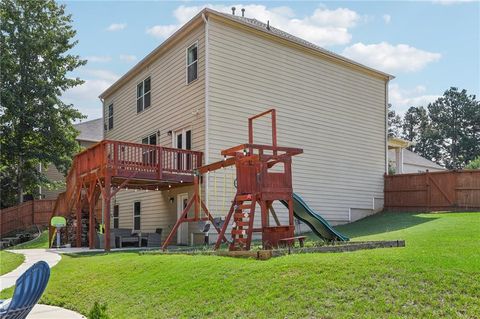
point(196, 90)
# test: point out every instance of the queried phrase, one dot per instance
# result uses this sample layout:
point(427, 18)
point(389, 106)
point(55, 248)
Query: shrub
point(99, 311)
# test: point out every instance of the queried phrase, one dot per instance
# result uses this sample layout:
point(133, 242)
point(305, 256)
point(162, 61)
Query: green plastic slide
point(317, 224)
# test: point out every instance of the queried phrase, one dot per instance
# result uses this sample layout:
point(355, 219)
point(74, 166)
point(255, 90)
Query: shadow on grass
point(383, 223)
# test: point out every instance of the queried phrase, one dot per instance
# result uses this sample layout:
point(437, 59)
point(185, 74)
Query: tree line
point(446, 132)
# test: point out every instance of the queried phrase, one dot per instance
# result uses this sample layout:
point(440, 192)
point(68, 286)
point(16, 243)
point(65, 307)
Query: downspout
point(207, 98)
point(386, 126)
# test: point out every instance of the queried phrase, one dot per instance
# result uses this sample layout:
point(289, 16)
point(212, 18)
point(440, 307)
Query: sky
point(428, 46)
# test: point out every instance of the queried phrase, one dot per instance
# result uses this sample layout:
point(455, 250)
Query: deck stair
point(242, 222)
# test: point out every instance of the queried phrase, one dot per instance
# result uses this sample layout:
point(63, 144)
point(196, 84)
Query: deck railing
point(147, 160)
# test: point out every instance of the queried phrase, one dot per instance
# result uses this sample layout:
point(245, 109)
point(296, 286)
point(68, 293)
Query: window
point(136, 216)
point(110, 117)
point(183, 140)
point(150, 156)
point(143, 95)
point(115, 216)
point(152, 139)
point(192, 61)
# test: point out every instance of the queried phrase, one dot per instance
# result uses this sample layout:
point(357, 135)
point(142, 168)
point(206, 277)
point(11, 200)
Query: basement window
point(136, 216)
point(143, 95)
point(192, 62)
point(115, 217)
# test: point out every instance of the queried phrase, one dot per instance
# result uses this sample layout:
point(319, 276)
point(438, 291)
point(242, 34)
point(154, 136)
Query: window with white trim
point(192, 63)
point(136, 216)
point(183, 140)
point(110, 117)
point(116, 220)
point(143, 95)
point(150, 156)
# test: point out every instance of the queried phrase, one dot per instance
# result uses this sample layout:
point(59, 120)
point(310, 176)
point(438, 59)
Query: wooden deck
point(141, 163)
point(108, 166)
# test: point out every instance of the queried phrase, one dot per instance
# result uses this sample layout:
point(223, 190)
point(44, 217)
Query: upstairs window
point(192, 62)
point(110, 117)
point(143, 95)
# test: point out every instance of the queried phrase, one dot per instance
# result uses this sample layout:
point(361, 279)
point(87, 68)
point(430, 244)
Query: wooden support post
point(79, 219)
point(180, 220)
point(91, 220)
point(210, 217)
point(225, 226)
point(106, 218)
point(196, 196)
point(290, 212)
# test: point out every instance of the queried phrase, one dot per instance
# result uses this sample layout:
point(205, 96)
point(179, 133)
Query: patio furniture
point(29, 287)
point(100, 240)
point(126, 236)
point(152, 239)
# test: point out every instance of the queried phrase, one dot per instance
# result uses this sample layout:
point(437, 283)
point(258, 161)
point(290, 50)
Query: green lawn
point(9, 261)
point(39, 242)
point(437, 275)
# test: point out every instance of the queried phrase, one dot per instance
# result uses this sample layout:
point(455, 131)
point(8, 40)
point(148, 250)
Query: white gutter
point(207, 98)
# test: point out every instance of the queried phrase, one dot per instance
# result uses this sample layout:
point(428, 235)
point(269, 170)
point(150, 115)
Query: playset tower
point(264, 175)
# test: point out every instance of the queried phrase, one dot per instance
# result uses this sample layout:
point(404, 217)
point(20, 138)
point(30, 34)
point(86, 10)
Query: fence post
point(33, 211)
point(429, 190)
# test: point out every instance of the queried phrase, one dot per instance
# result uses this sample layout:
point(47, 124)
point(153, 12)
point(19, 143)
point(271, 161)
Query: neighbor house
point(91, 132)
point(405, 161)
point(197, 89)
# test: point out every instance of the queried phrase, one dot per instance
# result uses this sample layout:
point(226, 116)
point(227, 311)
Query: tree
point(474, 164)
point(394, 122)
point(418, 129)
point(456, 118)
point(36, 125)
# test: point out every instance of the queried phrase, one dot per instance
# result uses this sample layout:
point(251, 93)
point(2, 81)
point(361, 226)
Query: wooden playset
point(264, 175)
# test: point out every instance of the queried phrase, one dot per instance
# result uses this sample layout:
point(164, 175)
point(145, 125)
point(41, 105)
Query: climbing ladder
point(243, 217)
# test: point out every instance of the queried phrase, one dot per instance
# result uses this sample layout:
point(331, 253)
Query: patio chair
point(29, 287)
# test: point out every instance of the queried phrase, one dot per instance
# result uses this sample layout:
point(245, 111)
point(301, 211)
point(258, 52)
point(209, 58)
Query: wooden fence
point(448, 190)
point(20, 217)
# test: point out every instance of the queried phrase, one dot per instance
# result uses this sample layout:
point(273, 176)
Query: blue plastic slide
point(317, 224)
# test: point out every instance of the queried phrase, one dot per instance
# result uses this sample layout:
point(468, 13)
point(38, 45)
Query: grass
point(437, 275)
point(9, 261)
point(39, 242)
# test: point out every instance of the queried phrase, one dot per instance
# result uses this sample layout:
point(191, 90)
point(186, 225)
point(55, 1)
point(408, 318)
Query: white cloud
point(162, 31)
point(323, 27)
point(85, 97)
point(96, 58)
point(128, 57)
point(116, 27)
point(391, 58)
point(450, 2)
point(387, 18)
point(401, 99)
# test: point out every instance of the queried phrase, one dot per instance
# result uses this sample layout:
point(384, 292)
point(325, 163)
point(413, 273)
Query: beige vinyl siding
point(174, 106)
point(329, 110)
point(156, 209)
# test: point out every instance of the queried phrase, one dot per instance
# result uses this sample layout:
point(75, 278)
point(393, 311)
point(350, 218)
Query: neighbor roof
point(90, 130)
point(412, 158)
point(249, 22)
